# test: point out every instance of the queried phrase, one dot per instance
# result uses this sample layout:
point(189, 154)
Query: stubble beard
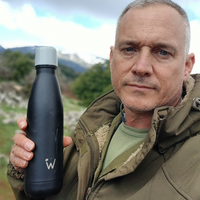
point(129, 104)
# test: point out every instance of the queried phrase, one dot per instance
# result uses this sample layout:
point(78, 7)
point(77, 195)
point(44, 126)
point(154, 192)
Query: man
point(141, 140)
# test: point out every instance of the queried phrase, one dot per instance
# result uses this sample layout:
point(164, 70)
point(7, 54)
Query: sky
point(85, 27)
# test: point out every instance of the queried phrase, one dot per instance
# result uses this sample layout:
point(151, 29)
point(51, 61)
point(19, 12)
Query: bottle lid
point(46, 56)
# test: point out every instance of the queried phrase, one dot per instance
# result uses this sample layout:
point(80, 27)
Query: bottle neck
point(45, 69)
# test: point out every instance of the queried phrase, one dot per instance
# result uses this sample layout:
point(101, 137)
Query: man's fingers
point(21, 153)
point(22, 123)
point(17, 162)
point(19, 157)
point(66, 141)
point(22, 141)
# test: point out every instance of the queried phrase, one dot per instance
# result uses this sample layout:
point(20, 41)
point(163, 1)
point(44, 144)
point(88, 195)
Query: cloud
point(64, 35)
point(99, 9)
point(195, 32)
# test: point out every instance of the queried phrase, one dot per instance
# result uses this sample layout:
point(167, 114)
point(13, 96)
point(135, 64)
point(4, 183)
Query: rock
point(71, 118)
point(10, 95)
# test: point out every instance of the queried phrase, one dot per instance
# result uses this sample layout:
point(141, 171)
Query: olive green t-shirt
point(124, 138)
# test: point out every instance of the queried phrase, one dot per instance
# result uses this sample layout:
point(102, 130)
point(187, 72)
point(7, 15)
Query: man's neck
point(139, 120)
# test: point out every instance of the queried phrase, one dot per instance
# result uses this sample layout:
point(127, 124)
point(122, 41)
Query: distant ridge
point(70, 60)
point(1, 49)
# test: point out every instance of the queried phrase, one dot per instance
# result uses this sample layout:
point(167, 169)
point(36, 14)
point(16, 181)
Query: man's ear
point(111, 54)
point(190, 60)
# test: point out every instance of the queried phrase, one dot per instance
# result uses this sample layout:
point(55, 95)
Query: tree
point(71, 74)
point(93, 83)
point(18, 65)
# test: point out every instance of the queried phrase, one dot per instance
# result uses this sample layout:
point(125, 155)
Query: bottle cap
point(46, 56)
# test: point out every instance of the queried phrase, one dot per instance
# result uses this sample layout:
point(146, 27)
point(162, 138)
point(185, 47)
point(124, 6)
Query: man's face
point(148, 62)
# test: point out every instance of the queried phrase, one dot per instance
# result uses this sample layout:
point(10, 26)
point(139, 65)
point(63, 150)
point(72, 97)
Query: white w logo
point(50, 165)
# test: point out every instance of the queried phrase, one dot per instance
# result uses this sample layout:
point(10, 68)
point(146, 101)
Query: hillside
point(73, 61)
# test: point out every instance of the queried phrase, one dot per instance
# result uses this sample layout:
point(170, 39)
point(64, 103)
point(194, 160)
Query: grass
point(71, 105)
point(7, 132)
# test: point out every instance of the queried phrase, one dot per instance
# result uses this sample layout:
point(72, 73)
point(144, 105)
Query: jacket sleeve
point(16, 180)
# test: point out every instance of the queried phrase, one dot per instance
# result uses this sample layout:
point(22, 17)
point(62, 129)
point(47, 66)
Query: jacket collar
point(175, 124)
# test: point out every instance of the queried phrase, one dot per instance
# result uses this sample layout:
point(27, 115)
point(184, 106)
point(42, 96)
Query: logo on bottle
point(50, 165)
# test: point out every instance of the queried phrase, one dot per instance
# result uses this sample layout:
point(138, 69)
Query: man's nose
point(143, 63)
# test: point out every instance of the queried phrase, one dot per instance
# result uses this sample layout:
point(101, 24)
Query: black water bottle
point(44, 174)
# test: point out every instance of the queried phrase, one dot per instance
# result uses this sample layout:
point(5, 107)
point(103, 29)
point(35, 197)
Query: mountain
point(73, 61)
point(1, 49)
point(23, 50)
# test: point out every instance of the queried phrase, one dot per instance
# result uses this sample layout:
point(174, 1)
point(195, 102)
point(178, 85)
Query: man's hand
point(21, 152)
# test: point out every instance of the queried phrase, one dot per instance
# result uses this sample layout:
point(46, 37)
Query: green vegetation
point(15, 66)
point(93, 83)
point(7, 132)
point(18, 67)
point(68, 72)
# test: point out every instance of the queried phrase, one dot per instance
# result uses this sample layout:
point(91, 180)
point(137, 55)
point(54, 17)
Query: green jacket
point(165, 166)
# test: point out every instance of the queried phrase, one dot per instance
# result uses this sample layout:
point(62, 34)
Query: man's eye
point(129, 49)
point(163, 53)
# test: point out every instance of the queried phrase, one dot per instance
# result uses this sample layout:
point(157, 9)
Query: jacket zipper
point(91, 189)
